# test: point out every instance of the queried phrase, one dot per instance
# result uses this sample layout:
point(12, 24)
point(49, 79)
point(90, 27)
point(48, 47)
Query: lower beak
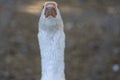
point(50, 11)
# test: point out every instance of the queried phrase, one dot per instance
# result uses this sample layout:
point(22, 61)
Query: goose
point(51, 38)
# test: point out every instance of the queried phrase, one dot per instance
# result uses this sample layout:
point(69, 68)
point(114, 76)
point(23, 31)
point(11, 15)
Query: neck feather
point(52, 54)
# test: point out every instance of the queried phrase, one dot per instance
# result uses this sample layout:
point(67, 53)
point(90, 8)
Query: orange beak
point(50, 10)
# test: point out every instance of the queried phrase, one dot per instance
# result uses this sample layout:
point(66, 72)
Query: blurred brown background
point(92, 30)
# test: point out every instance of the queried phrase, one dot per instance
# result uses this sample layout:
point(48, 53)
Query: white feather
point(51, 39)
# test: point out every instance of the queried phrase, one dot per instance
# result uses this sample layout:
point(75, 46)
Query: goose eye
point(42, 7)
point(58, 7)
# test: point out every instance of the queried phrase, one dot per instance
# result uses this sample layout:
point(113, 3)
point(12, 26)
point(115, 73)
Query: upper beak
point(50, 8)
point(50, 11)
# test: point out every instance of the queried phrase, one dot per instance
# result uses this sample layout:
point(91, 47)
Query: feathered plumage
point(51, 39)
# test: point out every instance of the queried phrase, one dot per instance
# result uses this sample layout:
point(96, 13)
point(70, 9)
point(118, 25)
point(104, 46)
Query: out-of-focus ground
point(92, 30)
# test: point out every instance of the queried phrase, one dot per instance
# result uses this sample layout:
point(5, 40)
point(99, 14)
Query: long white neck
point(52, 44)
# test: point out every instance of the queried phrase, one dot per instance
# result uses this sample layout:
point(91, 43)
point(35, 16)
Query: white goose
point(52, 42)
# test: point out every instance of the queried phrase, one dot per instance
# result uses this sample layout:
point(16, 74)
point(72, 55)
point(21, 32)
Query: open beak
point(50, 10)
